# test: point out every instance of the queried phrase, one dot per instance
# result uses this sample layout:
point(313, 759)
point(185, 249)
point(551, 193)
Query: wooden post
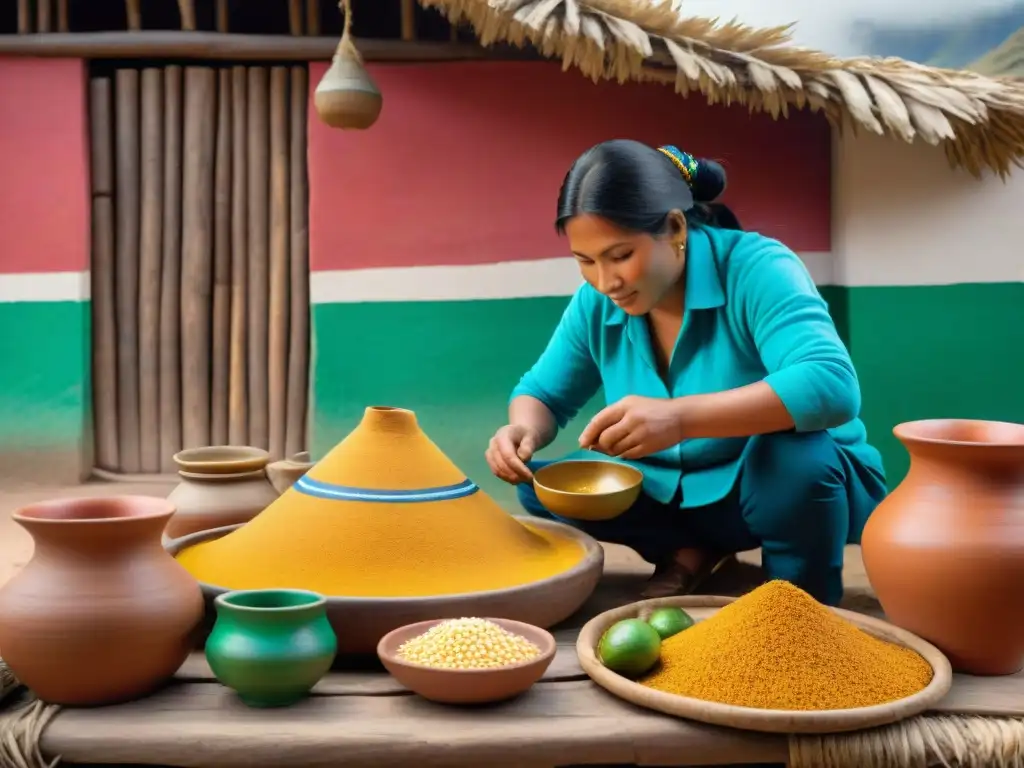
point(63, 24)
point(127, 268)
point(222, 15)
point(24, 17)
point(408, 20)
point(219, 405)
point(170, 281)
point(134, 11)
point(104, 323)
point(238, 398)
point(43, 16)
point(197, 253)
point(280, 226)
point(298, 344)
point(258, 138)
point(150, 268)
point(295, 17)
point(313, 17)
point(187, 8)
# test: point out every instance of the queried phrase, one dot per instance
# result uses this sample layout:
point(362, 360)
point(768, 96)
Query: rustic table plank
point(202, 724)
point(993, 696)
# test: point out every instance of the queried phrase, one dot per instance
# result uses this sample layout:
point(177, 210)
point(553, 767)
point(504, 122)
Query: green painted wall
point(923, 352)
point(920, 352)
point(45, 375)
point(454, 363)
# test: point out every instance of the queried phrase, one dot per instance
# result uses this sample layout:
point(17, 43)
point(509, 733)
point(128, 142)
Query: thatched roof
point(978, 120)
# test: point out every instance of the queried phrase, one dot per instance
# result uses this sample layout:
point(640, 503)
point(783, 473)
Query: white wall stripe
point(45, 286)
point(925, 224)
point(506, 280)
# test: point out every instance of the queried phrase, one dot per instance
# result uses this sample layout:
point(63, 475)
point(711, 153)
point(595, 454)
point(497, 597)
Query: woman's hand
point(509, 450)
point(635, 427)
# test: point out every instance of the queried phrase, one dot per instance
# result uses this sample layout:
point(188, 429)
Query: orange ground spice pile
point(778, 648)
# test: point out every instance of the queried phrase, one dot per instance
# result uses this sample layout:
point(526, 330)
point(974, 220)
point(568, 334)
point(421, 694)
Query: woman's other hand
point(511, 447)
point(635, 427)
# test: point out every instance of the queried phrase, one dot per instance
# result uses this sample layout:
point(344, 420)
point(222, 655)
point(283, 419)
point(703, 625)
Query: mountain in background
point(957, 44)
point(1007, 59)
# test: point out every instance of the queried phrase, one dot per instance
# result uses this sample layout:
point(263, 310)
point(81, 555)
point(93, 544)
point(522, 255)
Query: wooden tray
point(766, 720)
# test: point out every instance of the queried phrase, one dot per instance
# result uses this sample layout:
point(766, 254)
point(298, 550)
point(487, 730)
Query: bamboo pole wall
point(200, 262)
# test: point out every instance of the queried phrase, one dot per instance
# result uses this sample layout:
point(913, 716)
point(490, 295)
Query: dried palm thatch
point(977, 120)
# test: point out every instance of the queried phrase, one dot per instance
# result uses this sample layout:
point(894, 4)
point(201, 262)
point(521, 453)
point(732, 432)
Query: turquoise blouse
point(752, 314)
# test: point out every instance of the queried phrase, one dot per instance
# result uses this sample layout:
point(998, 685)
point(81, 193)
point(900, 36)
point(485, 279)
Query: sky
point(826, 24)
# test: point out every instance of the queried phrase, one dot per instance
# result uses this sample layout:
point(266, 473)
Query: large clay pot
point(945, 551)
point(101, 613)
point(220, 485)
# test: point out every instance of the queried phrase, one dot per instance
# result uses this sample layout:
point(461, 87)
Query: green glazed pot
point(271, 646)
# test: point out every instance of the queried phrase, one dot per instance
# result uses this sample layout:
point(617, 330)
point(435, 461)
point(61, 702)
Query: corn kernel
point(467, 643)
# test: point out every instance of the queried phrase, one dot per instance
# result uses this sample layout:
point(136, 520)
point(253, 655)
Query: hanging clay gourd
point(346, 97)
point(944, 551)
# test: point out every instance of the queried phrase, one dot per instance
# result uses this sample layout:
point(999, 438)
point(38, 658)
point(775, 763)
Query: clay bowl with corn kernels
point(449, 685)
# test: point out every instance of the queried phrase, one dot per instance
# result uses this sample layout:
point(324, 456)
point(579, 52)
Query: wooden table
point(556, 723)
point(365, 717)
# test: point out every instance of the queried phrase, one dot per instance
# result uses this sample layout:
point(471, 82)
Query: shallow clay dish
point(748, 718)
point(467, 686)
point(360, 622)
point(587, 490)
point(221, 459)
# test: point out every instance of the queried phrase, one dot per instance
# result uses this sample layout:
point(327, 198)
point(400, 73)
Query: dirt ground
point(16, 544)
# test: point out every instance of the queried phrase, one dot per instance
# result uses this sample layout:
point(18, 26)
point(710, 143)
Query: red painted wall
point(44, 176)
point(466, 160)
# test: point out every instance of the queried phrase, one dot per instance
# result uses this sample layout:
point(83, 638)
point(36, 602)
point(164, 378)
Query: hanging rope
point(345, 45)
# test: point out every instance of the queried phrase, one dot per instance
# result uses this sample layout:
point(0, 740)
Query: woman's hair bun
point(709, 182)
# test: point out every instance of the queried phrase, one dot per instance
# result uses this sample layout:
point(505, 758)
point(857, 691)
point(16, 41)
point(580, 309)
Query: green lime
point(629, 647)
point(669, 621)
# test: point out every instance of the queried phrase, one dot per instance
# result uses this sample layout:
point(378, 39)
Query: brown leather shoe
point(671, 578)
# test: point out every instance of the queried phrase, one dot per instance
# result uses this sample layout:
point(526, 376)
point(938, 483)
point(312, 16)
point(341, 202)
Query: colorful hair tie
point(684, 161)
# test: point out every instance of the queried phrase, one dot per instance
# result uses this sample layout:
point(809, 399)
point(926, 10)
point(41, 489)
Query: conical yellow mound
point(384, 514)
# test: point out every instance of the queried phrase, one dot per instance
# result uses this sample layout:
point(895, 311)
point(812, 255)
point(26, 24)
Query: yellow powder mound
point(778, 648)
point(315, 536)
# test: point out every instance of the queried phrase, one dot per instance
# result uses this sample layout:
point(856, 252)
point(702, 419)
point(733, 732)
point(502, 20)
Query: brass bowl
point(587, 490)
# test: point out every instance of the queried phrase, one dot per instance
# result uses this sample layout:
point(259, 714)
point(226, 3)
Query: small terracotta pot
point(220, 485)
point(945, 550)
point(101, 613)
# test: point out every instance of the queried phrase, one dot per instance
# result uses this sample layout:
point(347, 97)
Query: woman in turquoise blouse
point(725, 378)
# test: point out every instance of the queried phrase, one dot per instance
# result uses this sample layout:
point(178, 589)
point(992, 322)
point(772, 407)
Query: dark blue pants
point(798, 497)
